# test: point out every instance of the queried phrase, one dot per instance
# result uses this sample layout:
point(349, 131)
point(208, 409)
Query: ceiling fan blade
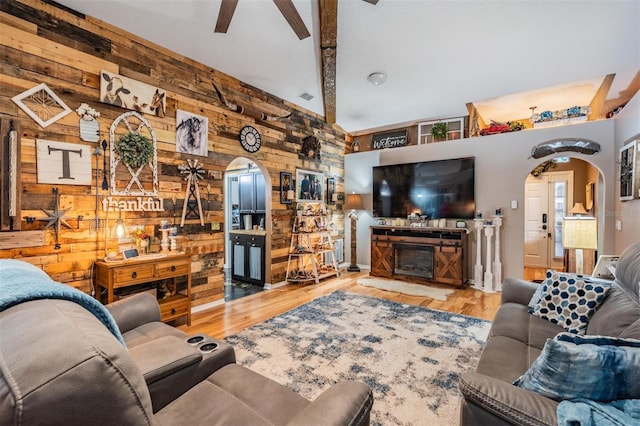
point(372, 1)
point(227, 7)
point(292, 16)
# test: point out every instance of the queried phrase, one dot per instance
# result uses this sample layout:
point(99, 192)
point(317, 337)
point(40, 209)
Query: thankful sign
point(389, 140)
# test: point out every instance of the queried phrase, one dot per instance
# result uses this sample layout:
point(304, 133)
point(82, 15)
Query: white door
point(547, 198)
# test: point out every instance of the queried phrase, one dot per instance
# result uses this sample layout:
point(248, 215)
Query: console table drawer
point(128, 275)
point(172, 268)
point(175, 307)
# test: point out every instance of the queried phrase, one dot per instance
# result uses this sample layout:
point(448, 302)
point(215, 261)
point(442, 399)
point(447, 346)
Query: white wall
point(627, 128)
point(502, 165)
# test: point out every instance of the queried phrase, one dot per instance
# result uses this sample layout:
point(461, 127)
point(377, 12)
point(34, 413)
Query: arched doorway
point(557, 188)
point(247, 212)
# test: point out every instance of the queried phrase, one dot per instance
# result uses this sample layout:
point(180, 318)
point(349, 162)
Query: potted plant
point(134, 149)
point(439, 131)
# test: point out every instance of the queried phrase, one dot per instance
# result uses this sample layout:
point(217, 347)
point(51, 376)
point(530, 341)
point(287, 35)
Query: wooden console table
point(449, 247)
point(120, 274)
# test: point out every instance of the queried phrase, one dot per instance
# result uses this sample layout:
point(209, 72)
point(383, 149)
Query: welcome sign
point(389, 140)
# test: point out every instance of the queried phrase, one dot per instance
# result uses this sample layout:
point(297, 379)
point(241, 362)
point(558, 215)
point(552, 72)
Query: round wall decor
point(250, 138)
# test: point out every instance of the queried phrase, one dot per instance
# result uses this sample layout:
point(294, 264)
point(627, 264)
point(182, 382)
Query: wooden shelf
point(312, 260)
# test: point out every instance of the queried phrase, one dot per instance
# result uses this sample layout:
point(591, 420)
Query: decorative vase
point(144, 245)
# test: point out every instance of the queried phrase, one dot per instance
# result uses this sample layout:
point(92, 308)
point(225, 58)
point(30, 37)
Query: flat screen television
point(437, 189)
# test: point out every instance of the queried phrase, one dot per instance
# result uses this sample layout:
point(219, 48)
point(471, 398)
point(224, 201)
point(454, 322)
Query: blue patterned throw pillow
point(570, 300)
point(598, 368)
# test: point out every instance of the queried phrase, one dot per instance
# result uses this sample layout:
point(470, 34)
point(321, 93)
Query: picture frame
point(627, 171)
point(286, 185)
point(605, 267)
point(309, 186)
point(331, 190)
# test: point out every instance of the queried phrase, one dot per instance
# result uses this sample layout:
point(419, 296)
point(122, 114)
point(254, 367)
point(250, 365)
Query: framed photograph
point(628, 171)
point(192, 133)
point(286, 185)
point(605, 267)
point(331, 190)
point(309, 186)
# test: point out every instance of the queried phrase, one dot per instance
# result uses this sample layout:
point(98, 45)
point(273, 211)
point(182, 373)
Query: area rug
point(406, 288)
point(410, 356)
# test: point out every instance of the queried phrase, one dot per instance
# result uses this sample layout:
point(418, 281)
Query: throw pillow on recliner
point(597, 368)
point(569, 300)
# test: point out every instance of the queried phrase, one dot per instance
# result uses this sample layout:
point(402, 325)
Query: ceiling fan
point(286, 7)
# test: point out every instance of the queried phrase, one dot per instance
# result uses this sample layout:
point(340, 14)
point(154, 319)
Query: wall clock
point(250, 138)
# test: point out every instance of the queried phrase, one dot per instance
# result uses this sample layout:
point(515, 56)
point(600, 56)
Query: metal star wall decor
point(56, 218)
point(193, 172)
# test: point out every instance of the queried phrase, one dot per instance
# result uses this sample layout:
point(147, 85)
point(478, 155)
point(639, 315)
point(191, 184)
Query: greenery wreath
point(134, 149)
point(439, 130)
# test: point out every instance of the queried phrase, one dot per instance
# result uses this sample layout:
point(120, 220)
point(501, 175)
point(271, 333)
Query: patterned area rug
point(410, 356)
point(406, 288)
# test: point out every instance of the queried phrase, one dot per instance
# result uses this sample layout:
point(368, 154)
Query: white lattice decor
point(42, 105)
point(144, 179)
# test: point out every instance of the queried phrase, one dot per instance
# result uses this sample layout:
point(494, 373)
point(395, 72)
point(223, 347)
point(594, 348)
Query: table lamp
point(353, 203)
point(580, 233)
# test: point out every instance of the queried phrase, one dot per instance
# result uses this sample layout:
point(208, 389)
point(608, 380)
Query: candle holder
point(164, 244)
point(174, 243)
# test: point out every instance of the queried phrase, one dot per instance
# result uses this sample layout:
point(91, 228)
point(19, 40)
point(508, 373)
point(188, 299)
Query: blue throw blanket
point(584, 412)
point(22, 282)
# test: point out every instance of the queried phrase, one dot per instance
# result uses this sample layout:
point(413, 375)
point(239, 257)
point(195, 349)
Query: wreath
point(134, 149)
point(439, 130)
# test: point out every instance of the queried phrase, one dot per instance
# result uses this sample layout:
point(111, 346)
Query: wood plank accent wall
point(41, 42)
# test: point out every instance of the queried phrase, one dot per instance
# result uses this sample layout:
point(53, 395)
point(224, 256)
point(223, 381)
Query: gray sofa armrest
point(164, 356)
point(345, 403)
point(517, 291)
point(134, 311)
point(509, 402)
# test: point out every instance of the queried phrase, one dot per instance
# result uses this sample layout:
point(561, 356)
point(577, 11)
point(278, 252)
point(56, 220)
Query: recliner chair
point(59, 364)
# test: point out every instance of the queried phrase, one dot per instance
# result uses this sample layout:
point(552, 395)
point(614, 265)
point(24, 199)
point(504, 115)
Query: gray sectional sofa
point(517, 338)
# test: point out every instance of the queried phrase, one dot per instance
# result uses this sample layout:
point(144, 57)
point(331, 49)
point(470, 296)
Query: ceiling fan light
point(377, 78)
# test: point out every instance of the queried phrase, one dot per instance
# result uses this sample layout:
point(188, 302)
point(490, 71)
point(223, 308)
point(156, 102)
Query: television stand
point(437, 255)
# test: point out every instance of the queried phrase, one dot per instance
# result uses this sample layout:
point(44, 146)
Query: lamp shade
point(578, 208)
point(354, 202)
point(580, 233)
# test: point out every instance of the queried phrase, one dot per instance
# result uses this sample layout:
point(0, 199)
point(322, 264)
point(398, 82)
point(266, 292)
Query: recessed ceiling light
point(377, 78)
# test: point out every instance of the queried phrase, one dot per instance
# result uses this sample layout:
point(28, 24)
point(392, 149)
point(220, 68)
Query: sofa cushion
point(514, 321)
point(617, 312)
point(569, 300)
point(598, 368)
point(506, 359)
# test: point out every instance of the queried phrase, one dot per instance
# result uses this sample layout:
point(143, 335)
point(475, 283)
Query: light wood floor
point(235, 316)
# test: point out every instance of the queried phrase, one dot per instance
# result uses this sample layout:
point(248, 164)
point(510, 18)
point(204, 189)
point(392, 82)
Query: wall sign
point(63, 163)
point(127, 93)
point(138, 204)
point(389, 140)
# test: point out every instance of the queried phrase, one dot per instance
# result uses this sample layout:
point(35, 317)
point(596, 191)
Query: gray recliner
point(59, 364)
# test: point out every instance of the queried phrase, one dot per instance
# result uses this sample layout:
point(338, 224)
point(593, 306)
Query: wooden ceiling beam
point(597, 103)
point(328, 44)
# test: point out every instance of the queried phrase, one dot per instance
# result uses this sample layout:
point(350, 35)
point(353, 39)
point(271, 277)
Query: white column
point(497, 265)
point(477, 275)
point(488, 276)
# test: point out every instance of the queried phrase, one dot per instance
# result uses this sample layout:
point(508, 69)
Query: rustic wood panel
point(43, 42)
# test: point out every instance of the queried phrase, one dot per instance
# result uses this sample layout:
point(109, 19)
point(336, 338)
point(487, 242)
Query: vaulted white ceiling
point(502, 56)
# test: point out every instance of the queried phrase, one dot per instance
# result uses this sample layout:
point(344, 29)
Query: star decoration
point(55, 218)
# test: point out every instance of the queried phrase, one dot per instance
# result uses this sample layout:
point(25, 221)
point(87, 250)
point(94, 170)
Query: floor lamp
point(353, 203)
point(580, 233)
